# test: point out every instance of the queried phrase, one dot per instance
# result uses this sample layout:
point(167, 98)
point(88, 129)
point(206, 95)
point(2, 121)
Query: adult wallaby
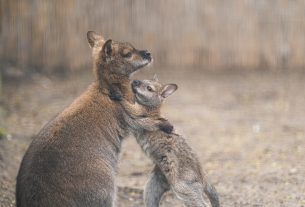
point(72, 162)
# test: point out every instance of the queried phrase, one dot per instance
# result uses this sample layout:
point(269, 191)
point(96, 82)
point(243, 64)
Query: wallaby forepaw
point(166, 127)
point(115, 95)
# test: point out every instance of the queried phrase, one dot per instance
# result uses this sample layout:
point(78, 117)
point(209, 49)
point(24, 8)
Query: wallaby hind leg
point(155, 187)
point(191, 195)
point(212, 194)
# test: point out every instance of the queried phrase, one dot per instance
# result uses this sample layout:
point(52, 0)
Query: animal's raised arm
point(134, 110)
point(151, 124)
point(140, 114)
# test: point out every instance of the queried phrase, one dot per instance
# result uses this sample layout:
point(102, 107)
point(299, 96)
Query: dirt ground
point(248, 130)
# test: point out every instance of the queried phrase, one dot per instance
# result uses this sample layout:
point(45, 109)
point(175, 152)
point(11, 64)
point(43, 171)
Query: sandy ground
point(248, 130)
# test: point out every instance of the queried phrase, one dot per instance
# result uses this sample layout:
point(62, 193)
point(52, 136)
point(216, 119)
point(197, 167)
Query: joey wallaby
point(72, 162)
point(177, 168)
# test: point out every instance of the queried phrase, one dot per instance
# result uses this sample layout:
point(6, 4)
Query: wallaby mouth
point(143, 63)
point(147, 58)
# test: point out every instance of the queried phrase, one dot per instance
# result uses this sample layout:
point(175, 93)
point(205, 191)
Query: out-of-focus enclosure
point(43, 35)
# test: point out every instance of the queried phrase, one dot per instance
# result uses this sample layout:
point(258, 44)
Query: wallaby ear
point(107, 48)
point(94, 38)
point(168, 90)
point(155, 78)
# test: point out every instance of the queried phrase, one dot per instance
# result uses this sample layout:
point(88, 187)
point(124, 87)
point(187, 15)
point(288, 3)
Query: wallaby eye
point(127, 55)
point(149, 88)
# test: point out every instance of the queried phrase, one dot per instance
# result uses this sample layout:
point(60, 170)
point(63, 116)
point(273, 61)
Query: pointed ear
point(107, 48)
point(168, 90)
point(94, 38)
point(155, 78)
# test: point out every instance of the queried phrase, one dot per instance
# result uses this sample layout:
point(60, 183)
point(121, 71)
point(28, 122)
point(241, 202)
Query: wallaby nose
point(136, 83)
point(145, 54)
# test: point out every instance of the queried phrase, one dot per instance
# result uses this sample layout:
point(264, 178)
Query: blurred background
point(42, 35)
point(239, 66)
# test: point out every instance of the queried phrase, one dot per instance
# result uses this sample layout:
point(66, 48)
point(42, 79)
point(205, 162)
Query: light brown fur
point(72, 162)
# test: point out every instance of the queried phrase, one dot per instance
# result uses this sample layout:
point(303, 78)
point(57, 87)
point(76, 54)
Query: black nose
point(145, 54)
point(136, 83)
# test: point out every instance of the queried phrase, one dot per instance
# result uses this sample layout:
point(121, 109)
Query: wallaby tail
point(212, 194)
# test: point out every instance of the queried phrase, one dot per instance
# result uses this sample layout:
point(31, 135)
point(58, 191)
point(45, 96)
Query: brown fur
point(176, 165)
point(73, 159)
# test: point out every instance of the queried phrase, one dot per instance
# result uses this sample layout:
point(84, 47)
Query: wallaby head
point(151, 93)
point(115, 60)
